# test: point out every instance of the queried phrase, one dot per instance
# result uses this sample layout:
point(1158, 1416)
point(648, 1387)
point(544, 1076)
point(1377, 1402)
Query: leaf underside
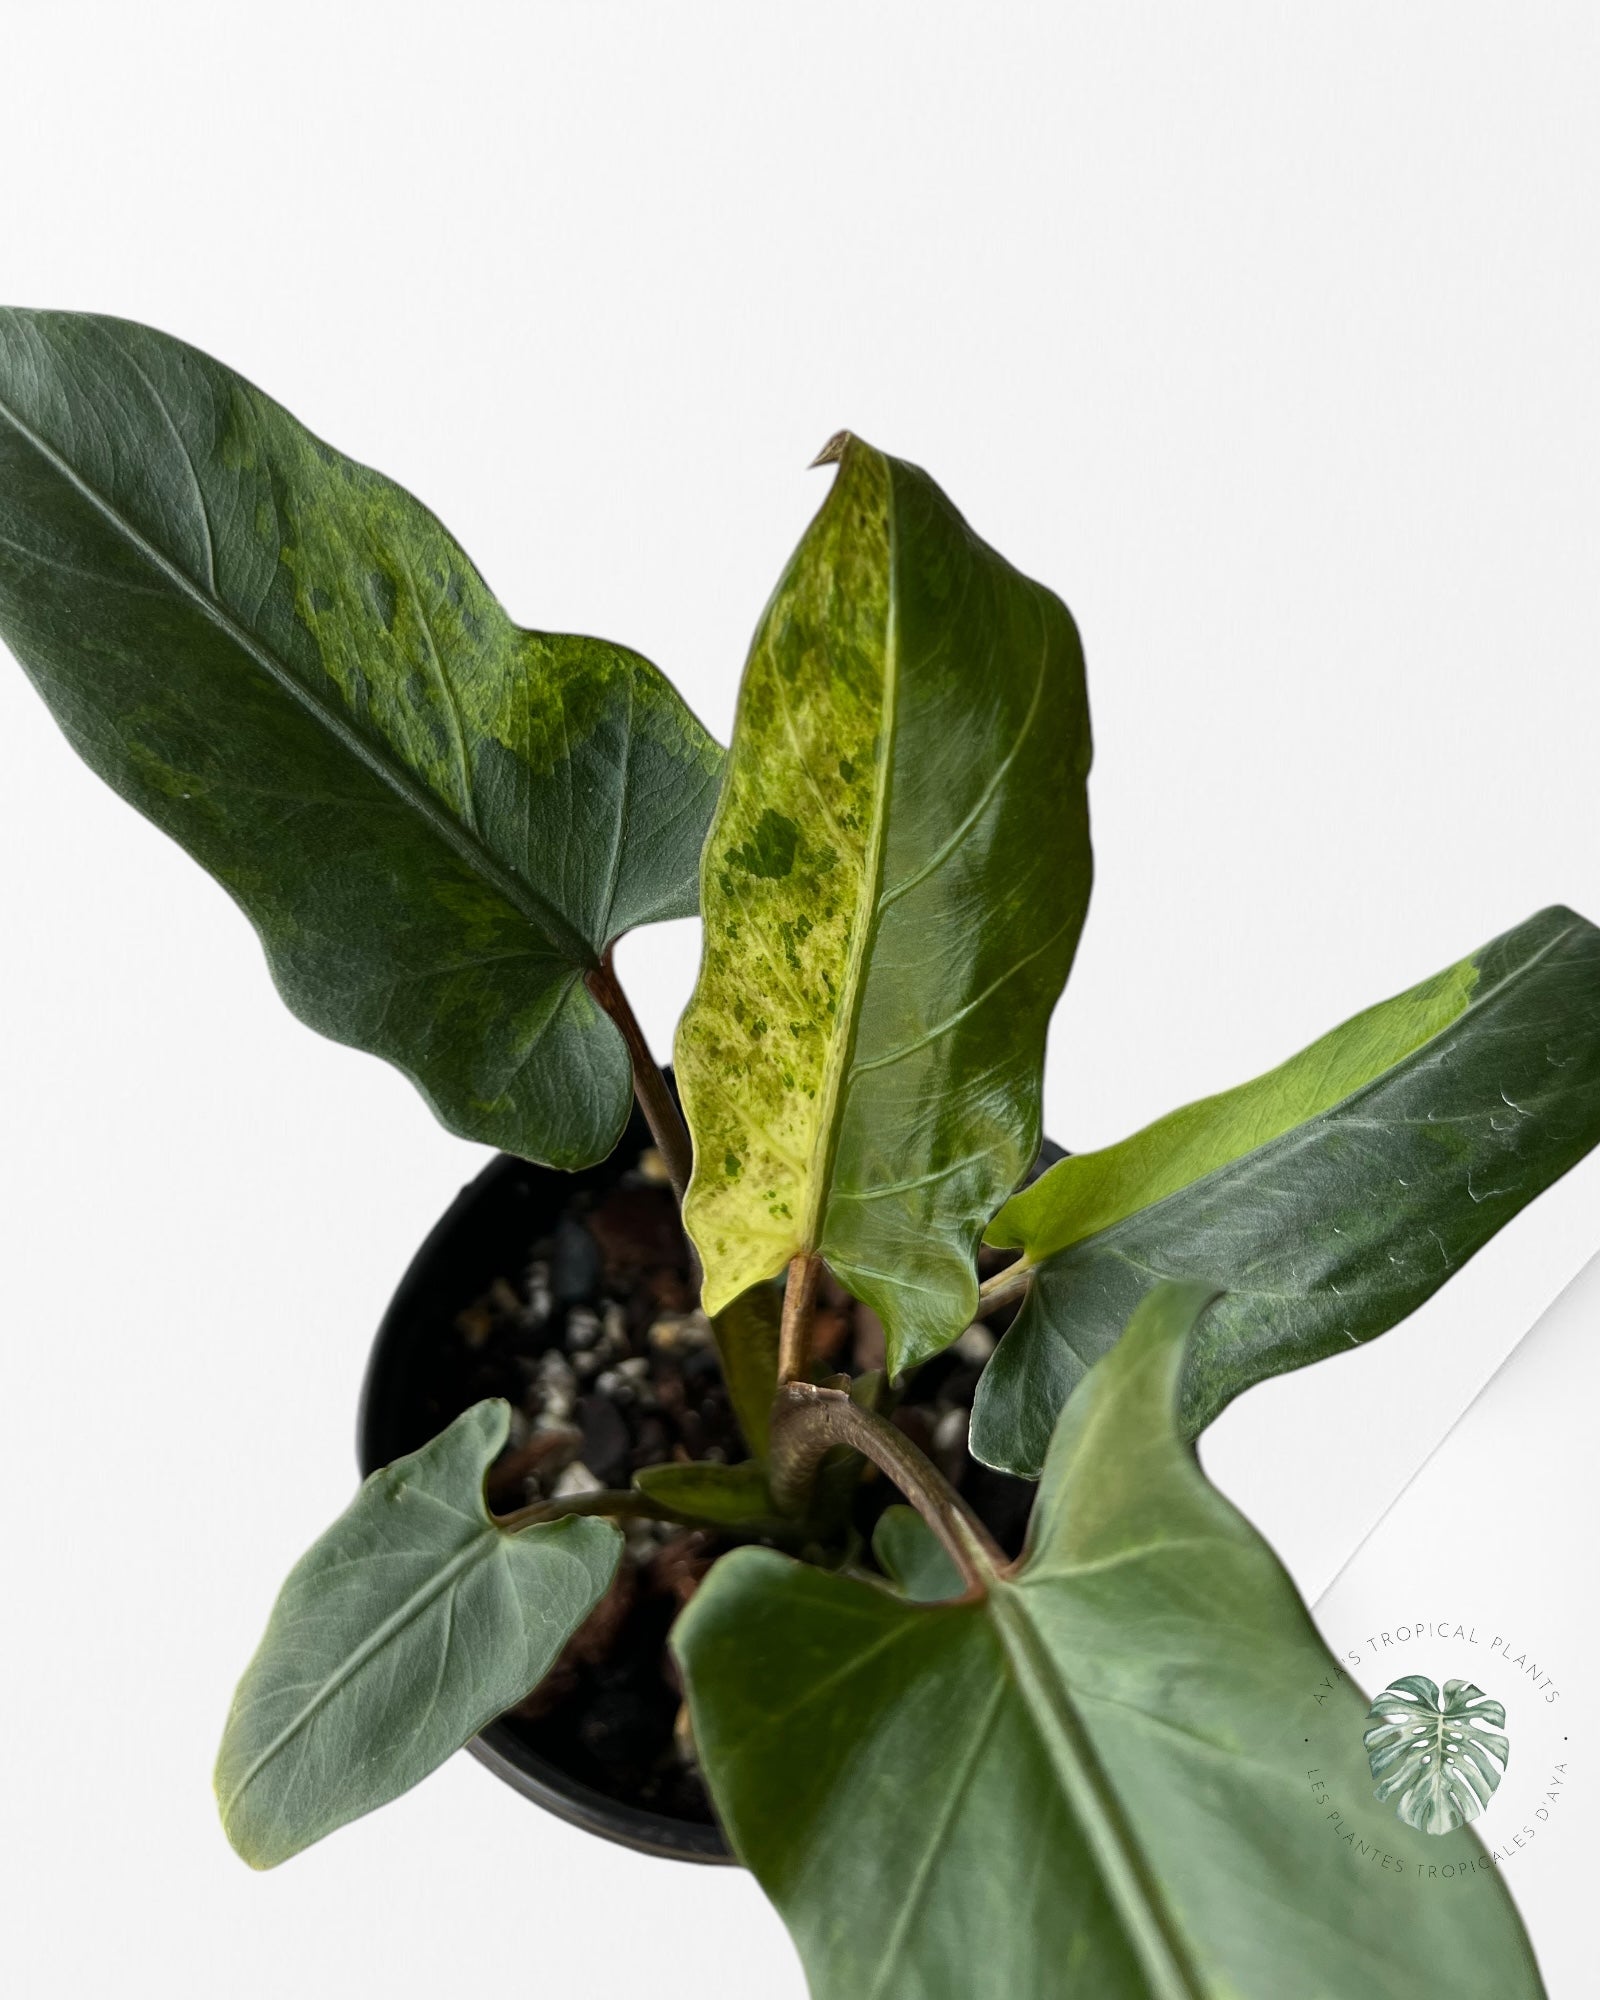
point(404, 1629)
point(435, 820)
point(1089, 1782)
point(892, 888)
point(1329, 1198)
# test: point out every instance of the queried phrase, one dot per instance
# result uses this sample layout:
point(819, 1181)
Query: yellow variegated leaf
point(893, 888)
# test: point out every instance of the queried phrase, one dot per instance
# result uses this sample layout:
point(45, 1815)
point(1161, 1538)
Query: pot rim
point(629, 1826)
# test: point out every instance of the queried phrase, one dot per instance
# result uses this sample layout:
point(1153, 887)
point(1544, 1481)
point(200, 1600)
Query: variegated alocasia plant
point(1072, 1774)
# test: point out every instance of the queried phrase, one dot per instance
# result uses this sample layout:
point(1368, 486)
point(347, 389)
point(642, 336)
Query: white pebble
point(976, 1345)
point(950, 1432)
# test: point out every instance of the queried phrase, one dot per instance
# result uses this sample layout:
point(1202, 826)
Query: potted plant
point(956, 1765)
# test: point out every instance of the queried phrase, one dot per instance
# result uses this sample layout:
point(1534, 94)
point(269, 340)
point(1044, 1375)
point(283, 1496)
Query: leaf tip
point(832, 452)
point(253, 1852)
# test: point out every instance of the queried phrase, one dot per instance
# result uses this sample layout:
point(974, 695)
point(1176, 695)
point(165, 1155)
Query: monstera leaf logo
point(1439, 1756)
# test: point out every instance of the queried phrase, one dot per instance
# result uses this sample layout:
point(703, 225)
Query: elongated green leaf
point(893, 888)
point(436, 821)
point(1438, 1754)
point(1330, 1197)
point(400, 1633)
point(1091, 1783)
point(722, 1495)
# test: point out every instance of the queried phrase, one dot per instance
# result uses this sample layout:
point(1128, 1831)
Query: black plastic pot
point(408, 1398)
point(507, 1205)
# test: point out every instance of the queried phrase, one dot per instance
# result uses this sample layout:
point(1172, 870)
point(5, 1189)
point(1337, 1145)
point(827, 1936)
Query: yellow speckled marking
point(789, 874)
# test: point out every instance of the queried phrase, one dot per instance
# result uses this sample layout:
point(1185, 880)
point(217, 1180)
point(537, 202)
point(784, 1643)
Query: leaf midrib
point(523, 898)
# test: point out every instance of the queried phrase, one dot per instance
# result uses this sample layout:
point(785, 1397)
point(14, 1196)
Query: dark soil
point(591, 1333)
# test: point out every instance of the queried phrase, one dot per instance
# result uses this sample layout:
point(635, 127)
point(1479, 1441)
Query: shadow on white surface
point(1484, 1570)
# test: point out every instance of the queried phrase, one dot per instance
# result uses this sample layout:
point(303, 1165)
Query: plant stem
point(1003, 1287)
point(799, 1302)
point(807, 1422)
point(649, 1085)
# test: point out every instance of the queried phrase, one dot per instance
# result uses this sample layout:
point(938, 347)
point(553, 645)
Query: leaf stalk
point(809, 1421)
point(1003, 1287)
point(649, 1085)
point(799, 1307)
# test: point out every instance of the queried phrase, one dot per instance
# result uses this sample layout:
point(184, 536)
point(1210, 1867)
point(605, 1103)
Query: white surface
point(1484, 1569)
point(1265, 335)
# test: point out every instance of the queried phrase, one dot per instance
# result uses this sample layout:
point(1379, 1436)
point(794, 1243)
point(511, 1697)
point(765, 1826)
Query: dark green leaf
point(436, 821)
point(1090, 1783)
point(400, 1633)
point(1330, 1197)
point(893, 890)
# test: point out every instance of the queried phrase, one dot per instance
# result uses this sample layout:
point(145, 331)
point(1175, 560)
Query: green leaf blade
point(728, 1496)
point(435, 820)
point(893, 889)
point(1089, 1783)
point(404, 1630)
point(1329, 1198)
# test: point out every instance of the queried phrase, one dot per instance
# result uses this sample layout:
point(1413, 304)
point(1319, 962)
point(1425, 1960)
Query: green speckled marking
point(893, 888)
point(755, 1046)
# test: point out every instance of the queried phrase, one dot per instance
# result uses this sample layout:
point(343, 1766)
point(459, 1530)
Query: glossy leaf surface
point(435, 820)
point(1438, 1754)
point(402, 1631)
point(1090, 1783)
point(1330, 1197)
point(892, 889)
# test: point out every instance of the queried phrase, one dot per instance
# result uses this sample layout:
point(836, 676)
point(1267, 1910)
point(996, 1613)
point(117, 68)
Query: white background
point(1266, 335)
